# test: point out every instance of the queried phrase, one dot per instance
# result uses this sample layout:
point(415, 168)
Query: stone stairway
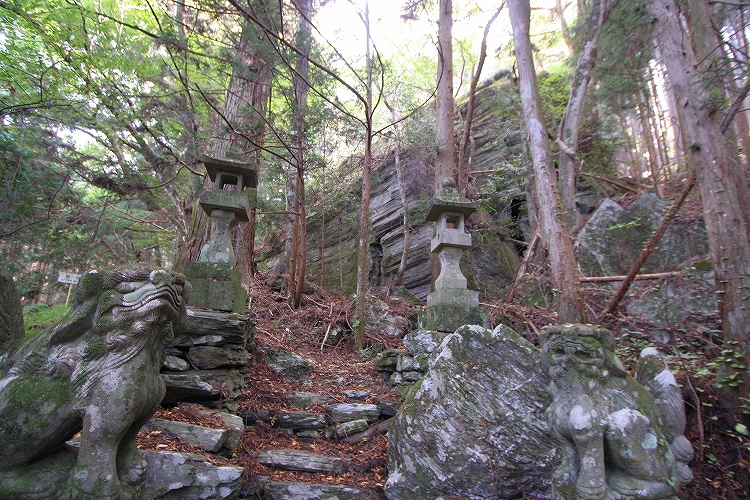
point(316, 420)
point(305, 443)
point(319, 417)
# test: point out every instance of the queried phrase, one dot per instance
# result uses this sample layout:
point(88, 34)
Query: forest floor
point(721, 466)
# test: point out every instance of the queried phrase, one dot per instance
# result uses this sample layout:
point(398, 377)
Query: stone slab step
point(295, 420)
point(346, 412)
point(303, 399)
point(285, 490)
point(174, 475)
point(302, 461)
point(211, 440)
point(215, 329)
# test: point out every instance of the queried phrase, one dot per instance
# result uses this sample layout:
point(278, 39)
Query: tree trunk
point(240, 131)
point(398, 280)
point(444, 132)
point(570, 125)
point(462, 168)
point(364, 219)
point(553, 230)
point(648, 138)
point(723, 187)
point(709, 49)
point(298, 255)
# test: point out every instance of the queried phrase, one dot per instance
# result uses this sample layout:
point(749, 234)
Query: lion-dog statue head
point(97, 372)
point(620, 438)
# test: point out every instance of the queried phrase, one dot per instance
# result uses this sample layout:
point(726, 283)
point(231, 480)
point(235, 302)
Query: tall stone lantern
point(217, 284)
point(451, 304)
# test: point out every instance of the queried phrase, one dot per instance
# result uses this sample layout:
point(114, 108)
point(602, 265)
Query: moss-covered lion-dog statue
point(96, 372)
point(620, 437)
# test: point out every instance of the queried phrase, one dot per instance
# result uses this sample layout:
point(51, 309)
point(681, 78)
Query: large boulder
point(614, 236)
point(290, 366)
point(671, 302)
point(474, 426)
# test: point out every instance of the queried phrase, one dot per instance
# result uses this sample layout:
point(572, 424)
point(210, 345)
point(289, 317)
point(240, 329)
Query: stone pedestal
point(209, 359)
point(216, 285)
point(449, 309)
point(219, 247)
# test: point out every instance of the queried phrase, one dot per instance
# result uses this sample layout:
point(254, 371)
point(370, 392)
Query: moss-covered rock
point(474, 425)
point(614, 236)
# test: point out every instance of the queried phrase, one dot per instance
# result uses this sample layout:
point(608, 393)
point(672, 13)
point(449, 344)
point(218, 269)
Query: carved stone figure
point(96, 372)
point(618, 440)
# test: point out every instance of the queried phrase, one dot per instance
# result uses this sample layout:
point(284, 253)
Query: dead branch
point(637, 277)
point(522, 267)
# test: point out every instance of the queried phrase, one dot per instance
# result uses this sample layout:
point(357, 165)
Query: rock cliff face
point(607, 245)
point(491, 262)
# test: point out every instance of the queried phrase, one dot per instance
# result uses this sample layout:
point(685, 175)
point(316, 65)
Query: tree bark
point(553, 230)
point(364, 219)
point(648, 139)
point(398, 280)
point(570, 125)
point(444, 131)
point(239, 130)
point(710, 48)
point(298, 255)
point(723, 187)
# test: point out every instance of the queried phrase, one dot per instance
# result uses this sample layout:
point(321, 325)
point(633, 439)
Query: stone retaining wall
point(208, 361)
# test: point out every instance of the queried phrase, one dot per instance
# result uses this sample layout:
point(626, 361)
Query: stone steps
point(319, 417)
point(284, 490)
point(172, 474)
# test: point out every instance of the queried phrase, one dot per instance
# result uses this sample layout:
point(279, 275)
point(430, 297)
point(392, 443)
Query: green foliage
point(624, 51)
point(39, 317)
point(554, 88)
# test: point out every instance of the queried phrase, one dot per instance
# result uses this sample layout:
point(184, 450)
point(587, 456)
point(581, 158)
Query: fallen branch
point(325, 339)
point(637, 277)
point(618, 184)
point(522, 267)
point(698, 412)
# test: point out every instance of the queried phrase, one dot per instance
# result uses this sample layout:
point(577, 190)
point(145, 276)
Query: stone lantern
point(451, 304)
point(217, 284)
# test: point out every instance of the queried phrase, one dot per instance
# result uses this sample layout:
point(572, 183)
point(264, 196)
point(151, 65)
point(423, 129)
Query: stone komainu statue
point(620, 438)
point(96, 372)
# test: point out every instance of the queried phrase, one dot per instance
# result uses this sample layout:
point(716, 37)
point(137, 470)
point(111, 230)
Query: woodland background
point(106, 107)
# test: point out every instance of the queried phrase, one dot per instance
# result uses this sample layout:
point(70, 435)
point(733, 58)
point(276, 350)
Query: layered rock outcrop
point(491, 262)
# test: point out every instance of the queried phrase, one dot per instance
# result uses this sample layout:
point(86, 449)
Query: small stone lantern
point(451, 304)
point(216, 282)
